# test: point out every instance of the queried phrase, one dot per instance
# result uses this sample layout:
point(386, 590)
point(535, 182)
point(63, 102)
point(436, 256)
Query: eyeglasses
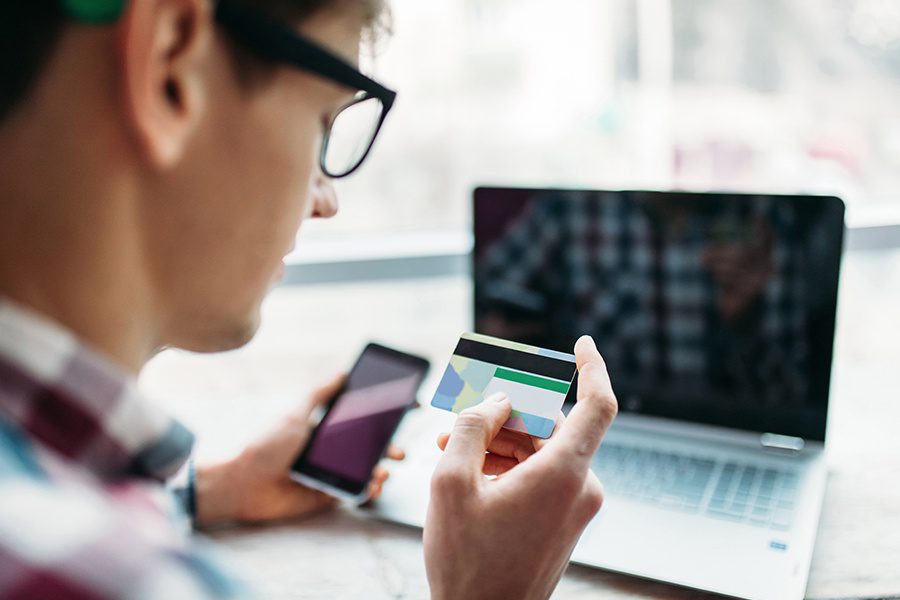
point(349, 136)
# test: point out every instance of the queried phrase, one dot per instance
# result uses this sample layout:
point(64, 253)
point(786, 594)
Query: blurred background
point(746, 95)
point(782, 95)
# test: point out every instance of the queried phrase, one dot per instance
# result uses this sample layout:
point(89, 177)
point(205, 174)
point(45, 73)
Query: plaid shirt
point(83, 457)
point(635, 278)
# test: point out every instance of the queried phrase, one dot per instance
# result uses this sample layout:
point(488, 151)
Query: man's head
point(160, 124)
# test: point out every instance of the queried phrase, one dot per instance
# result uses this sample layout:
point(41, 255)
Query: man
point(156, 160)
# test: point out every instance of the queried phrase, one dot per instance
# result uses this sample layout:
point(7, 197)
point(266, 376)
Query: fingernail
point(587, 339)
point(498, 397)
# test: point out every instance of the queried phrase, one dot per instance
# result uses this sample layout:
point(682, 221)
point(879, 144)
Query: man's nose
point(324, 198)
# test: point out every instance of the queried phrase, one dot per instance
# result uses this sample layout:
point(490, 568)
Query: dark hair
point(28, 35)
point(373, 15)
point(30, 30)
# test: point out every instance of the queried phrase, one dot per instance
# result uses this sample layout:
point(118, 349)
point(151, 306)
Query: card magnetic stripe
point(486, 339)
point(545, 366)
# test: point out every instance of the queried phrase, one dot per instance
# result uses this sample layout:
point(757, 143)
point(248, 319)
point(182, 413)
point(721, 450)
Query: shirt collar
point(78, 404)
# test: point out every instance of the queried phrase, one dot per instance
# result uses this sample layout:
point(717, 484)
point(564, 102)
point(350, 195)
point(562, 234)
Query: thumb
point(587, 423)
point(472, 434)
point(325, 393)
point(291, 436)
point(318, 398)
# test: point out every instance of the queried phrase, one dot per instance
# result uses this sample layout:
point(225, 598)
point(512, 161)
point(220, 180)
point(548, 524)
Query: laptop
point(715, 313)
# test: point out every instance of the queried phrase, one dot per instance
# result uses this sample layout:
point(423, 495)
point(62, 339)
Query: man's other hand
point(511, 536)
point(256, 486)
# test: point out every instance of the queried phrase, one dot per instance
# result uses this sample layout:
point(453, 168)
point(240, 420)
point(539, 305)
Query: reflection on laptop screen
point(714, 308)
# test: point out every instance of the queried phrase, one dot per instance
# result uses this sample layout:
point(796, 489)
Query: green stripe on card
point(554, 385)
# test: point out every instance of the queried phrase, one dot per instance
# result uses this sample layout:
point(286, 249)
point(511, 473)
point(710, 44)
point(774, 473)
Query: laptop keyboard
point(757, 495)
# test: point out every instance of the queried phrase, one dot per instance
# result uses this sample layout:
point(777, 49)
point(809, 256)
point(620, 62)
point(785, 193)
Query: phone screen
point(356, 430)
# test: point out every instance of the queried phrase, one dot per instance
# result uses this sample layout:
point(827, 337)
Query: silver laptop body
point(705, 490)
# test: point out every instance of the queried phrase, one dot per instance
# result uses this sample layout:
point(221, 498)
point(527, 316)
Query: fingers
point(379, 476)
point(283, 444)
point(494, 464)
point(580, 435)
point(395, 453)
point(300, 501)
point(504, 452)
point(325, 393)
point(473, 432)
point(301, 415)
point(511, 444)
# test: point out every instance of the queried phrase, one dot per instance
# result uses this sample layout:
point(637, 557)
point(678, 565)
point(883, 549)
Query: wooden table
point(229, 398)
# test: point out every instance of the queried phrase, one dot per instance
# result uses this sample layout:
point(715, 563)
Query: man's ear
point(161, 49)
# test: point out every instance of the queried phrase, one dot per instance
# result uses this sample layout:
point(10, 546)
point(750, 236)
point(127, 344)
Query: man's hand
point(256, 487)
point(511, 536)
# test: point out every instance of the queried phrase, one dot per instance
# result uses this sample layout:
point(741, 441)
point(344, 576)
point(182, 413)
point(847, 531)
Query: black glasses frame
point(272, 40)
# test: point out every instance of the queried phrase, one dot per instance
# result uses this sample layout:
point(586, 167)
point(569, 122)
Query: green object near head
point(94, 11)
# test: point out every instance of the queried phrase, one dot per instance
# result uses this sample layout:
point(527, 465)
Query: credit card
point(536, 380)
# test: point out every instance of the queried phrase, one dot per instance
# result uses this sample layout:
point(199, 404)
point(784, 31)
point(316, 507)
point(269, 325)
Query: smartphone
point(359, 422)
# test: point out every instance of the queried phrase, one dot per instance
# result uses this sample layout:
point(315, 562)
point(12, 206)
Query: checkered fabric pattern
point(634, 276)
point(84, 512)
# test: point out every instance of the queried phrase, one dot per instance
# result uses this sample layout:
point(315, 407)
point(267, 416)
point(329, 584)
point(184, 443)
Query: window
point(781, 95)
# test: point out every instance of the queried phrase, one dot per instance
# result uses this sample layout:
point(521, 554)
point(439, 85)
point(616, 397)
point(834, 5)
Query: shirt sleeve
point(80, 541)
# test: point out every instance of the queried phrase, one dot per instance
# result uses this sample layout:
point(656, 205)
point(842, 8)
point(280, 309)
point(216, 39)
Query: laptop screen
point(710, 308)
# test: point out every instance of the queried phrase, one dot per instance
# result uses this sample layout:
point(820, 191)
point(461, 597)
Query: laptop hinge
point(782, 443)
